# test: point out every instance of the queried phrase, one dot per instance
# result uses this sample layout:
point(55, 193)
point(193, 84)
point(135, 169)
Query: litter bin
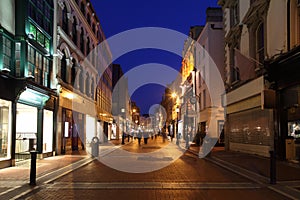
point(290, 149)
point(95, 147)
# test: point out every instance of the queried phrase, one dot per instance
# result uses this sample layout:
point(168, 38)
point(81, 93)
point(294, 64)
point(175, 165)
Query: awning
point(32, 97)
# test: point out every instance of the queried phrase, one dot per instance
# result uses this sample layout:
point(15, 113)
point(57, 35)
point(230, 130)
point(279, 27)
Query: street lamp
point(177, 138)
point(123, 131)
point(174, 95)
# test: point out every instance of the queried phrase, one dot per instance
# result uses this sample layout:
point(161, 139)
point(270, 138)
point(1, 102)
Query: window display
point(294, 129)
point(48, 131)
point(26, 130)
point(5, 132)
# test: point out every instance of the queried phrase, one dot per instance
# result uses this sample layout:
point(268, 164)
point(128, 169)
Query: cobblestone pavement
point(186, 178)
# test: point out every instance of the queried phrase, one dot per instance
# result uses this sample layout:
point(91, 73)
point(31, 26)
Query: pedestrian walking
point(139, 136)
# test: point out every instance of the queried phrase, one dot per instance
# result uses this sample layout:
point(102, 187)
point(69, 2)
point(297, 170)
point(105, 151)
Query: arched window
point(65, 19)
point(88, 46)
point(63, 67)
point(88, 18)
point(82, 8)
point(260, 43)
point(94, 28)
point(82, 41)
point(73, 72)
point(81, 81)
point(87, 84)
point(74, 31)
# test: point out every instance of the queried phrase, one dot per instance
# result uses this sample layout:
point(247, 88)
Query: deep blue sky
point(117, 16)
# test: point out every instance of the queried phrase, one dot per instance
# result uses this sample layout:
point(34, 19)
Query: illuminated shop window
point(48, 131)
point(26, 129)
point(5, 131)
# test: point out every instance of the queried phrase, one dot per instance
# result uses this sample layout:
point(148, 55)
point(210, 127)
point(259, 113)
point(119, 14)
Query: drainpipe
point(288, 25)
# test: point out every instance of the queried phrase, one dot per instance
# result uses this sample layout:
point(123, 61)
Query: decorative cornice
point(257, 11)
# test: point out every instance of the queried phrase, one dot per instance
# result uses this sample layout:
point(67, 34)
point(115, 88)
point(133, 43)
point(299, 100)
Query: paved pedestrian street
point(187, 177)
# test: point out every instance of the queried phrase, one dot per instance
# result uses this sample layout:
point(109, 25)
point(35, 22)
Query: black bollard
point(272, 167)
point(33, 168)
point(123, 138)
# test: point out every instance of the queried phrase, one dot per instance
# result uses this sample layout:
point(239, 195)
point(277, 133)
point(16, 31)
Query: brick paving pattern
point(216, 177)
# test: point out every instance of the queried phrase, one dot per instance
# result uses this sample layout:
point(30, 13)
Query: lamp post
point(177, 135)
point(123, 131)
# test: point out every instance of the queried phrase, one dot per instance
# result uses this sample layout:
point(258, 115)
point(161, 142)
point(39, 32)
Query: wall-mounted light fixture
point(30, 77)
point(31, 35)
point(58, 87)
point(5, 70)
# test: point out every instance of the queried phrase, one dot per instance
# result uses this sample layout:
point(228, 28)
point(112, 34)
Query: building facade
point(188, 90)
point(260, 52)
point(210, 55)
point(83, 74)
point(28, 97)
point(121, 108)
point(282, 72)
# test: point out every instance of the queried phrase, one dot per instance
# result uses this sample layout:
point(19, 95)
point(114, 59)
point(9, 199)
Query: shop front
point(73, 131)
point(250, 119)
point(290, 118)
point(26, 131)
point(27, 116)
point(106, 128)
point(90, 129)
point(283, 72)
point(10, 88)
point(5, 130)
point(27, 124)
point(35, 117)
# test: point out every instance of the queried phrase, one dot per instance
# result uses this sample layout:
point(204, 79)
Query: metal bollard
point(272, 167)
point(95, 147)
point(33, 168)
point(123, 138)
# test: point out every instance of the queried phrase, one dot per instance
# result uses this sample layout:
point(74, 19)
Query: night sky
point(117, 16)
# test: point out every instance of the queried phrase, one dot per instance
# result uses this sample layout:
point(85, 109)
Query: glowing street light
point(174, 95)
